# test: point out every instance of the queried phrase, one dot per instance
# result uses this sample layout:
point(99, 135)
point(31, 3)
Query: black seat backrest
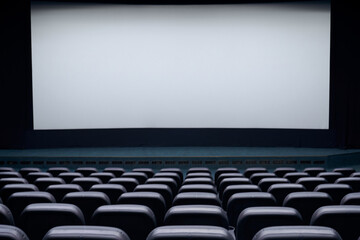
point(153, 200)
point(310, 183)
point(343, 218)
point(8, 232)
point(346, 171)
point(314, 171)
point(232, 189)
point(9, 189)
point(6, 216)
point(115, 170)
point(231, 181)
point(86, 182)
point(26, 170)
point(297, 232)
point(351, 199)
point(193, 198)
point(31, 177)
point(38, 218)
point(136, 220)
point(330, 177)
point(128, 183)
point(196, 215)
point(5, 181)
point(294, 176)
point(307, 203)
point(55, 171)
point(86, 171)
point(190, 232)
point(220, 171)
point(113, 191)
point(104, 177)
point(253, 219)
point(85, 232)
point(163, 189)
point(240, 201)
point(176, 176)
point(198, 188)
point(167, 181)
point(69, 176)
point(354, 182)
point(88, 202)
point(43, 183)
point(17, 202)
point(256, 177)
point(60, 190)
point(250, 171)
point(336, 191)
point(139, 176)
point(265, 183)
point(281, 171)
point(281, 190)
point(148, 171)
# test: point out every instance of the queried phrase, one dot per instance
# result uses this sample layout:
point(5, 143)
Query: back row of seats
point(141, 204)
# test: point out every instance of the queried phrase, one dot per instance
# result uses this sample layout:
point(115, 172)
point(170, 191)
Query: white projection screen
point(260, 65)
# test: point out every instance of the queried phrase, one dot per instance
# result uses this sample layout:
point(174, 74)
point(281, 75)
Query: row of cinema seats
point(141, 204)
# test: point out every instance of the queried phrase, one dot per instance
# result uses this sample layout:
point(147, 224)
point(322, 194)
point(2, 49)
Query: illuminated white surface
point(181, 66)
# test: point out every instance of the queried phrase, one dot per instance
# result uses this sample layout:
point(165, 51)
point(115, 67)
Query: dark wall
point(16, 106)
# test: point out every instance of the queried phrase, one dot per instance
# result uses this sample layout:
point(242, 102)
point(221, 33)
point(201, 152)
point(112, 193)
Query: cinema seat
point(117, 171)
point(281, 171)
point(198, 169)
point(59, 191)
point(240, 201)
point(55, 171)
point(9, 189)
point(88, 202)
point(85, 232)
point(336, 191)
point(250, 171)
point(43, 183)
point(281, 190)
point(128, 183)
point(86, 182)
point(256, 177)
point(172, 175)
point(148, 171)
point(331, 177)
point(113, 191)
point(162, 189)
point(86, 171)
point(26, 170)
point(170, 182)
point(202, 180)
point(104, 177)
point(231, 181)
point(351, 199)
point(198, 188)
point(228, 175)
point(33, 176)
point(293, 177)
point(307, 203)
point(196, 215)
point(253, 219)
point(346, 171)
point(139, 176)
point(38, 218)
point(153, 200)
point(17, 202)
point(190, 232)
point(265, 183)
point(297, 233)
point(310, 183)
point(8, 232)
point(5, 181)
point(355, 174)
point(69, 176)
point(173, 170)
point(200, 198)
point(127, 217)
point(354, 182)
point(232, 189)
point(222, 170)
point(6, 216)
point(343, 218)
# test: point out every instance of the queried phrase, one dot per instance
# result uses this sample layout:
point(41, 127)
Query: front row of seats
point(138, 222)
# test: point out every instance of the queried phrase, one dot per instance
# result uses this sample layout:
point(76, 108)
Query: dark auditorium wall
point(16, 100)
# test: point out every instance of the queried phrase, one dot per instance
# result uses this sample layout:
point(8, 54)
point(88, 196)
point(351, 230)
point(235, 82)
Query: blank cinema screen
point(261, 65)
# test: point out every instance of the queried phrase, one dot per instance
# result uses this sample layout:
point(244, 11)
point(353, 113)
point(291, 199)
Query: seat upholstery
point(293, 177)
point(113, 191)
point(297, 232)
point(86, 182)
point(86, 171)
point(253, 219)
point(153, 200)
point(231, 181)
point(148, 171)
point(199, 180)
point(196, 215)
point(343, 218)
point(198, 188)
point(336, 191)
point(55, 171)
point(232, 189)
point(351, 199)
point(172, 175)
point(330, 177)
point(88, 202)
point(31, 177)
point(310, 183)
point(281, 171)
point(198, 174)
point(220, 171)
point(60, 190)
point(240, 201)
point(227, 175)
point(38, 218)
point(69, 176)
point(127, 217)
point(5, 181)
point(18, 201)
point(139, 176)
point(307, 203)
point(8, 232)
point(6, 216)
point(117, 171)
point(250, 171)
point(173, 170)
point(198, 169)
point(163, 189)
point(26, 170)
point(346, 171)
point(281, 190)
point(128, 183)
point(9, 189)
point(43, 183)
point(265, 183)
point(86, 232)
point(314, 171)
point(354, 182)
point(167, 181)
point(104, 177)
point(201, 198)
point(256, 177)
point(190, 232)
